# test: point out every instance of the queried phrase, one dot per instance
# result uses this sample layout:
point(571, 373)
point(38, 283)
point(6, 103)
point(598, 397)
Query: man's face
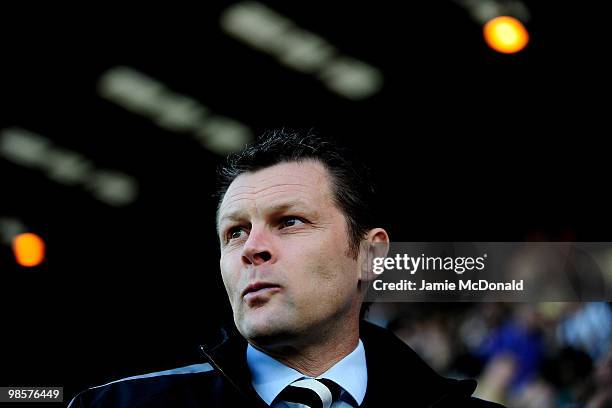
point(284, 254)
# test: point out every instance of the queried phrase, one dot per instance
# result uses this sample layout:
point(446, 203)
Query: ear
point(375, 245)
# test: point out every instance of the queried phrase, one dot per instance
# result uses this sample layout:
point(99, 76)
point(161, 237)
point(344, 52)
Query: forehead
point(307, 182)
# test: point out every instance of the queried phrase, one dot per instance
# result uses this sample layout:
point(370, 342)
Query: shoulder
point(393, 365)
point(471, 402)
point(137, 390)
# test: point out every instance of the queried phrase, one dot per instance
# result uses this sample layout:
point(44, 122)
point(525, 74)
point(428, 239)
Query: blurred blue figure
point(521, 339)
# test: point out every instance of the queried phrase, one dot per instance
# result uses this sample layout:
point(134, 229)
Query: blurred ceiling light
point(67, 167)
point(482, 11)
point(505, 34)
point(148, 97)
point(268, 31)
point(9, 228)
point(503, 22)
point(29, 249)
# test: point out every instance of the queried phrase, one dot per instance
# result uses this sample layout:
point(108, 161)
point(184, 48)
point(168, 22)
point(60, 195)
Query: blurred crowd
point(524, 355)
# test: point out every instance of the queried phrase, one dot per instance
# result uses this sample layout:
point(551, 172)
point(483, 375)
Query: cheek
point(328, 272)
point(341, 271)
point(228, 274)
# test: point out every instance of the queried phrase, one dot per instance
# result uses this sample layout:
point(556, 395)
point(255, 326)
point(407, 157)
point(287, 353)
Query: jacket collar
point(395, 371)
point(227, 355)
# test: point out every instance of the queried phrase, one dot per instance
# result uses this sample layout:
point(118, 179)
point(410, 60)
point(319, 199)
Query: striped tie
point(311, 392)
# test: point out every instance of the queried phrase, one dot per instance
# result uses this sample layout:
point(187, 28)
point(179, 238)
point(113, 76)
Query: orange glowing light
point(506, 35)
point(29, 249)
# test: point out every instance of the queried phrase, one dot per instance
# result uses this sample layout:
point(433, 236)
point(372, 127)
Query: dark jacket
point(396, 377)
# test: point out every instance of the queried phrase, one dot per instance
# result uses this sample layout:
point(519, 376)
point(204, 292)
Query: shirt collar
point(270, 376)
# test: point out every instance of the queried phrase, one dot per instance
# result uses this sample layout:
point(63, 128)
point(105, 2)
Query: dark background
point(466, 143)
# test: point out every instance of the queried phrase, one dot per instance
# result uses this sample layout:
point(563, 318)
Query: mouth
point(258, 289)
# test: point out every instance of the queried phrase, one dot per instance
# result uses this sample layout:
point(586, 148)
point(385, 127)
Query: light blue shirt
point(269, 376)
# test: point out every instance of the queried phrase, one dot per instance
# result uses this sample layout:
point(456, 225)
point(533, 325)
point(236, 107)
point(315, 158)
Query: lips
point(258, 286)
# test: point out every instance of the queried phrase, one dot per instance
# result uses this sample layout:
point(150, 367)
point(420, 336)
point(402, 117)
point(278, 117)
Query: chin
point(265, 331)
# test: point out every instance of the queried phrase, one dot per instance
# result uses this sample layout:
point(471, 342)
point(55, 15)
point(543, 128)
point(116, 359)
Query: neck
point(318, 354)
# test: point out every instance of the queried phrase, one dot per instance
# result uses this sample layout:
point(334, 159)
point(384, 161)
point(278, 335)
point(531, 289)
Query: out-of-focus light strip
point(146, 96)
point(9, 228)
point(268, 31)
point(64, 166)
point(482, 11)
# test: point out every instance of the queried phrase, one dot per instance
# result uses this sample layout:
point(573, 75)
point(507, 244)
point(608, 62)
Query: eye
point(234, 233)
point(291, 221)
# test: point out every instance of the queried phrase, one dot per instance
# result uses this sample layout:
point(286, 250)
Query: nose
point(257, 249)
